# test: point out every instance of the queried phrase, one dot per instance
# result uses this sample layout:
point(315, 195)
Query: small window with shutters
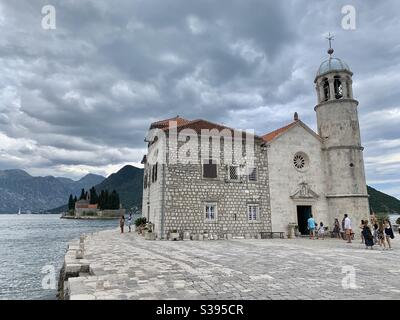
point(252, 174)
point(210, 212)
point(210, 169)
point(252, 213)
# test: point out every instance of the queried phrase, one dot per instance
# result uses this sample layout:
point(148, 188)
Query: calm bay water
point(30, 242)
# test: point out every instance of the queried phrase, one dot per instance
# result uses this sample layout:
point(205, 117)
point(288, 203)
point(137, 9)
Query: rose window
point(300, 161)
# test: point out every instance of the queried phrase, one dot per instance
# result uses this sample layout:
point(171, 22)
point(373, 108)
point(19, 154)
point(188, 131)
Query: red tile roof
point(200, 124)
point(162, 124)
point(196, 125)
point(270, 136)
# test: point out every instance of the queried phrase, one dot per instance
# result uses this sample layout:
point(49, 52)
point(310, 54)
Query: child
point(321, 231)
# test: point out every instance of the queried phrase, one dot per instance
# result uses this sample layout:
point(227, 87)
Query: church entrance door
point(303, 213)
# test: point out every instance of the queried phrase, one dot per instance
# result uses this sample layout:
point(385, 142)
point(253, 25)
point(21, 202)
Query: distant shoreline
point(88, 218)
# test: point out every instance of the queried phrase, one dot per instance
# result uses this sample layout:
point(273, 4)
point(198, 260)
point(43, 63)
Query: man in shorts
point(311, 226)
point(347, 227)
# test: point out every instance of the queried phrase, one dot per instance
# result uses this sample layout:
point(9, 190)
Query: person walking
point(362, 228)
point(375, 233)
point(367, 234)
point(343, 229)
point(347, 227)
point(122, 223)
point(389, 234)
point(381, 235)
point(130, 222)
point(336, 228)
point(311, 226)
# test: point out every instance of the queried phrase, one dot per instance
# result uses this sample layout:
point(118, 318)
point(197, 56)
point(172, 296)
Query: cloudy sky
point(79, 98)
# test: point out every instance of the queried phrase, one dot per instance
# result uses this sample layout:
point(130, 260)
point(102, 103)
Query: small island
point(90, 205)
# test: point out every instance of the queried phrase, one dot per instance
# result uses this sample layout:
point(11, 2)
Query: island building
point(290, 173)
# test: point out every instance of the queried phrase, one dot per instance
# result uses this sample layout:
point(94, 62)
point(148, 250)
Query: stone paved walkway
point(128, 267)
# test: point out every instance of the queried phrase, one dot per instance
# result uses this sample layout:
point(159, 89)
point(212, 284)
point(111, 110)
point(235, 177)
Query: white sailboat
point(19, 211)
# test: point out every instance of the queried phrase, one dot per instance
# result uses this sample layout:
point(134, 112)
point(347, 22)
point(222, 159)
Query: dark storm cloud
point(80, 98)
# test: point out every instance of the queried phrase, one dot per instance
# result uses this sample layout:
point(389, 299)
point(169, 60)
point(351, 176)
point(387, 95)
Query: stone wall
point(153, 193)
point(85, 212)
point(187, 192)
point(286, 180)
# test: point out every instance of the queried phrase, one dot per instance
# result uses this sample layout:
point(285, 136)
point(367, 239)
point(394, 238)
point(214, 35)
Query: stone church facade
point(289, 174)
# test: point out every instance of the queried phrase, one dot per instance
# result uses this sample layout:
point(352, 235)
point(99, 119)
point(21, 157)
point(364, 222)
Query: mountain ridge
point(127, 181)
point(20, 190)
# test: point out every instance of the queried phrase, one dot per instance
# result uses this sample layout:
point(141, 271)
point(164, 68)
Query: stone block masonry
point(176, 200)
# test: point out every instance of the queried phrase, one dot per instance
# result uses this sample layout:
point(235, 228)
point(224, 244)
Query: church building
point(291, 172)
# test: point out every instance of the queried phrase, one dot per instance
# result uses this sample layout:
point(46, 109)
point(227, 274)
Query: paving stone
point(128, 267)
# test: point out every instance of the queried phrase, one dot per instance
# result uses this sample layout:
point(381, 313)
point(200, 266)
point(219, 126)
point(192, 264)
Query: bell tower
point(338, 126)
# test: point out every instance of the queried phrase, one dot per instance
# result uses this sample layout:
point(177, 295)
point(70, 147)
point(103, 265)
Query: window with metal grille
point(233, 172)
point(253, 212)
point(209, 169)
point(210, 211)
point(252, 174)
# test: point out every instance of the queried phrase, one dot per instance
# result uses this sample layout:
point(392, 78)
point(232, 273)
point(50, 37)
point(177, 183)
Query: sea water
point(32, 247)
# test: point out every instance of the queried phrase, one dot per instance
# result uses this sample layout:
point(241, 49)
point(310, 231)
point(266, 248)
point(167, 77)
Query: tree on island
point(82, 197)
point(94, 198)
point(104, 201)
point(107, 201)
point(71, 203)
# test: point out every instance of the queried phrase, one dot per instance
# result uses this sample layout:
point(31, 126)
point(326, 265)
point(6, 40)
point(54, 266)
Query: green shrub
point(140, 221)
point(382, 217)
point(398, 221)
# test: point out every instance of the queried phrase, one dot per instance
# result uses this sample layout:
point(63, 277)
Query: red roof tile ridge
point(271, 135)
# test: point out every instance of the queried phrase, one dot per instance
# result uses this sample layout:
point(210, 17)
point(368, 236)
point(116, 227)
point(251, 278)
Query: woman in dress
point(367, 234)
point(381, 235)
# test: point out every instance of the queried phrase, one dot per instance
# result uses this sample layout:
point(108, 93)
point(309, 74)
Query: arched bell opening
point(326, 91)
point(338, 87)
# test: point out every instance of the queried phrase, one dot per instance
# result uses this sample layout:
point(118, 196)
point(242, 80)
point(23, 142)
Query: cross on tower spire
point(330, 38)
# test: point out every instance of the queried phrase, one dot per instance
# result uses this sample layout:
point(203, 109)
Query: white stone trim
point(257, 220)
point(211, 203)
